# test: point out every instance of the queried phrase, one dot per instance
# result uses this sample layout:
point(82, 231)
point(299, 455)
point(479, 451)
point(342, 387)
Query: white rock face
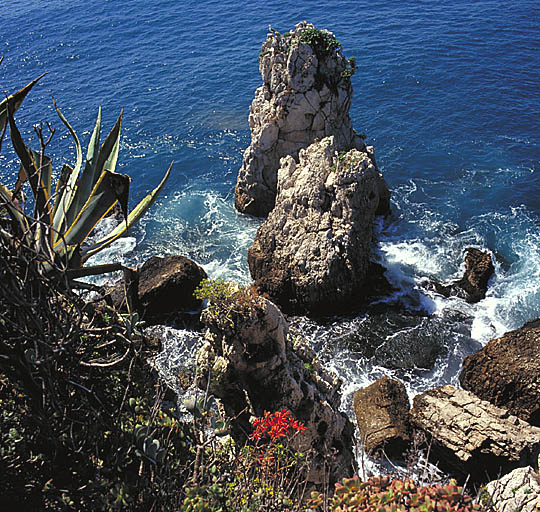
point(306, 95)
point(519, 490)
point(312, 252)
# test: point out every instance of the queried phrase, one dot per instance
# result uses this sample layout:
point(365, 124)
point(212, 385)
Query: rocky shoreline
point(317, 183)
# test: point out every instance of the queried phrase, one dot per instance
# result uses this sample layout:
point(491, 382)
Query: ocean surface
point(447, 92)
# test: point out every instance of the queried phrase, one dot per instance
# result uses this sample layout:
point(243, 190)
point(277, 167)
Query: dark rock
point(382, 414)
point(506, 372)
point(166, 287)
point(312, 253)
point(253, 366)
point(472, 437)
point(474, 284)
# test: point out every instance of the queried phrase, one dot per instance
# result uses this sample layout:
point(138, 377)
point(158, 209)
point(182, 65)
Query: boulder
point(166, 287)
point(506, 372)
point(253, 366)
point(311, 255)
point(382, 415)
point(474, 284)
point(519, 490)
point(306, 95)
point(472, 437)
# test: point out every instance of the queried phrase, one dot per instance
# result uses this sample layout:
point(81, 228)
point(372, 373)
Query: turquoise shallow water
point(447, 92)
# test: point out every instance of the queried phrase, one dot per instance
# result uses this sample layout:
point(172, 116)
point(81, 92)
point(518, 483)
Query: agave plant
point(62, 220)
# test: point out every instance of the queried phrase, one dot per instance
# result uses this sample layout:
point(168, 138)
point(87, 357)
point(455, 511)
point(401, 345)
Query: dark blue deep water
point(447, 92)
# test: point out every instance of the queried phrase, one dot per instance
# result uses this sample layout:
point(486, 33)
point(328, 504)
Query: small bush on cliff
point(385, 495)
point(228, 299)
point(320, 41)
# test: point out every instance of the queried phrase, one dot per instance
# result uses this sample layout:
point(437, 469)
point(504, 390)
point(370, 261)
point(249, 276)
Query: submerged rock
point(253, 366)
point(474, 284)
point(306, 95)
point(472, 437)
point(382, 415)
point(506, 372)
point(312, 253)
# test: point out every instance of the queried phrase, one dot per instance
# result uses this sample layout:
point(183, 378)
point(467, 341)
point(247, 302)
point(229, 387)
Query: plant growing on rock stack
point(62, 220)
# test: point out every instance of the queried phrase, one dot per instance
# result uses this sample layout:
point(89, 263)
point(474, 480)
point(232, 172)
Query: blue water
point(447, 92)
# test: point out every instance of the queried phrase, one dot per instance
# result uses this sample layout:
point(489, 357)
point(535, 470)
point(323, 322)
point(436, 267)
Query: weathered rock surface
point(382, 415)
point(306, 95)
point(166, 286)
point(473, 437)
point(253, 365)
point(312, 253)
point(506, 372)
point(517, 491)
point(474, 284)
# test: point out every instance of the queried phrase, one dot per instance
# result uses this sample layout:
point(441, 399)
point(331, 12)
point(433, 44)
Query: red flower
point(275, 425)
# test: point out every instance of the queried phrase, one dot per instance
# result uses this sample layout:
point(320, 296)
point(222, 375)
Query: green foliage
point(321, 41)
point(351, 69)
point(386, 495)
point(228, 300)
point(215, 290)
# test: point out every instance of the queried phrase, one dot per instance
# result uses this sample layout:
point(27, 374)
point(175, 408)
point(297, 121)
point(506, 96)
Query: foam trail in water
point(204, 226)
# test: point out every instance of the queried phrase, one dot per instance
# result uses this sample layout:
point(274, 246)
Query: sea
point(447, 92)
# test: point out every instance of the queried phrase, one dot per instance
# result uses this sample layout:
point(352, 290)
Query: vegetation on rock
point(322, 42)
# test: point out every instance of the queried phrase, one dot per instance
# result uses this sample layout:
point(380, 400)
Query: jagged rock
point(517, 491)
point(473, 437)
point(382, 415)
point(166, 286)
point(506, 372)
point(312, 252)
point(474, 284)
point(306, 95)
point(253, 365)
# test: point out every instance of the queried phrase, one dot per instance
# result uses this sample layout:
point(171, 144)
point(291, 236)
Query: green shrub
point(320, 41)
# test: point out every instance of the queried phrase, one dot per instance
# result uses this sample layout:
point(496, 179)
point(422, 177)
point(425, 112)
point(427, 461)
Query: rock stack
point(312, 253)
point(312, 175)
point(306, 95)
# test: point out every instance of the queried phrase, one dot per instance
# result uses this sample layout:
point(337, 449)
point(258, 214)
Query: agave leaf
point(61, 184)
point(108, 153)
point(15, 101)
point(81, 190)
point(97, 160)
point(109, 188)
point(41, 205)
point(132, 218)
point(64, 253)
point(63, 200)
point(93, 270)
